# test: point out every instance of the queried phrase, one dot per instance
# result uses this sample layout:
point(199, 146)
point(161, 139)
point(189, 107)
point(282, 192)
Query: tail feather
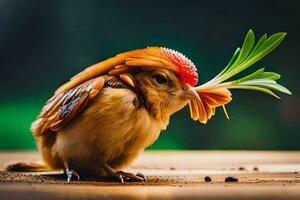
point(26, 167)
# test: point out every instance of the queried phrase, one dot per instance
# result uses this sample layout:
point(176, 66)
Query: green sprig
point(244, 57)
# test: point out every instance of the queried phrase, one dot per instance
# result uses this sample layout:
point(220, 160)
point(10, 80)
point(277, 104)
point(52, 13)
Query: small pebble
point(172, 168)
point(207, 179)
point(255, 168)
point(231, 179)
point(241, 168)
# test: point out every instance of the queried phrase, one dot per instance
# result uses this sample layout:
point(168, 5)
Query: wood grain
point(171, 175)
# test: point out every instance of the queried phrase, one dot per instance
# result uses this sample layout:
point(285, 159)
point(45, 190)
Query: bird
point(97, 123)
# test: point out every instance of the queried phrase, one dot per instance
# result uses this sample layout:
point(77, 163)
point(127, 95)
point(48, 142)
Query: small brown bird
point(97, 123)
point(100, 120)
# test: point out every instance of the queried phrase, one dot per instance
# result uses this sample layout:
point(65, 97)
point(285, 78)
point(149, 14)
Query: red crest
point(186, 69)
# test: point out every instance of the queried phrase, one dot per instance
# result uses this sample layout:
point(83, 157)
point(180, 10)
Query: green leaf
point(258, 81)
point(270, 75)
point(232, 60)
point(246, 49)
point(260, 74)
point(261, 49)
point(269, 45)
point(254, 75)
point(282, 89)
point(255, 88)
point(273, 86)
point(245, 57)
point(259, 45)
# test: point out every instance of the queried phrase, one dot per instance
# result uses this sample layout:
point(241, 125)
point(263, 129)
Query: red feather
point(186, 69)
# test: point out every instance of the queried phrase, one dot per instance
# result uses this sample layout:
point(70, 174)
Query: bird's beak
point(190, 92)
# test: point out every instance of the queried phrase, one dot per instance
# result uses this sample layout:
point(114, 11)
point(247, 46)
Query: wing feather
point(62, 107)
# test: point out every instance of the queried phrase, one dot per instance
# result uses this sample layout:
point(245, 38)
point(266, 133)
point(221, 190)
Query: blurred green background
point(44, 43)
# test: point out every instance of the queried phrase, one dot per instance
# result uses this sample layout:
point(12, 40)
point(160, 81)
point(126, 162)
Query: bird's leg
point(70, 173)
point(120, 175)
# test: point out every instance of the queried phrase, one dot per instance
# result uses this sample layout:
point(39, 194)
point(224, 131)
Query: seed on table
point(231, 179)
point(207, 179)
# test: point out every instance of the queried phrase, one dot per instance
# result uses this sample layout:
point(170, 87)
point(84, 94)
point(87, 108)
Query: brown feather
point(64, 106)
point(120, 69)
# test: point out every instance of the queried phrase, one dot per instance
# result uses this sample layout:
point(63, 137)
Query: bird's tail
point(26, 167)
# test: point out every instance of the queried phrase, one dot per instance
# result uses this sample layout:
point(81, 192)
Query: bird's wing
point(62, 107)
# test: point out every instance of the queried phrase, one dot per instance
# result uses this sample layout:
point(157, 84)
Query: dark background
point(44, 43)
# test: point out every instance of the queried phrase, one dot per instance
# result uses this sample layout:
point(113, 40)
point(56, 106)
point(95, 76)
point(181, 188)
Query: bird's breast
point(112, 126)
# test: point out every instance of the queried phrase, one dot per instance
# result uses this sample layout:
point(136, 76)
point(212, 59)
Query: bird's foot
point(123, 176)
point(70, 174)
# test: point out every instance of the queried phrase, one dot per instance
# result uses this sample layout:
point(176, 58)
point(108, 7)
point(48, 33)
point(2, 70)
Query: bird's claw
point(70, 174)
point(118, 177)
point(142, 176)
point(121, 176)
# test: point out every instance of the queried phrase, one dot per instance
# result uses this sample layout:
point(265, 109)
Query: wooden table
point(171, 175)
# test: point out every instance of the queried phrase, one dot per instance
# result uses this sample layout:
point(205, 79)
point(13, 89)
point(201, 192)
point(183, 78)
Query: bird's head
point(163, 92)
point(164, 78)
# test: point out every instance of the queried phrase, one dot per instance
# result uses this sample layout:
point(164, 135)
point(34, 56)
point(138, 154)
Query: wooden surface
point(171, 175)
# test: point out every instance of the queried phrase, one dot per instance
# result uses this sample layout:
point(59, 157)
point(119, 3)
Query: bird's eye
point(160, 79)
